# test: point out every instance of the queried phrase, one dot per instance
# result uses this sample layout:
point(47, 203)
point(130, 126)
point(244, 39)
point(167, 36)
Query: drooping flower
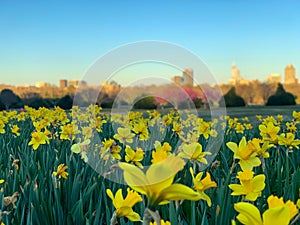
point(250, 186)
point(247, 156)
point(124, 206)
point(201, 185)
point(156, 183)
point(61, 171)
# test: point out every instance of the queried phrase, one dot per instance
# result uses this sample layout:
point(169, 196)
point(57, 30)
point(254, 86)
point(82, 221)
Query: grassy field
point(59, 167)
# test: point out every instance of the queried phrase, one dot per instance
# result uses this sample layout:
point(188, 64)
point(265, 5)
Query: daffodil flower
point(194, 151)
point(250, 186)
point(161, 152)
point(39, 138)
point(61, 171)
point(124, 135)
point(269, 132)
point(124, 206)
point(288, 140)
point(81, 148)
point(156, 183)
point(15, 130)
point(2, 181)
point(247, 156)
point(201, 185)
point(134, 156)
point(278, 213)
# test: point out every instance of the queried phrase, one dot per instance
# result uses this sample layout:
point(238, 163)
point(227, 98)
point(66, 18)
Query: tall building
point(63, 83)
point(187, 78)
point(290, 75)
point(235, 75)
point(273, 78)
point(68, 83)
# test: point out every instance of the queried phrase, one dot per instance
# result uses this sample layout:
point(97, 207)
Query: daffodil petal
point(249, 214)
point(179, 192)
point(279, 215)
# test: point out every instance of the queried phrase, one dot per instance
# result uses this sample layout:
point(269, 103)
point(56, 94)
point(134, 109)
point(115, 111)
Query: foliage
point(54, 185)
point(147, 102)
point(10, 99)
point(65, 102)
point(281, 97)
point(232, 99)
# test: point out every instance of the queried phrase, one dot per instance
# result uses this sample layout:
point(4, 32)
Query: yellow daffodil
point(250, 186)
point(110, 149)
point(82, 149)
point(261, 150)
point(239, 128)
point(68, 131)
point(296, 115)
point(291, 126)
point(15, 130)
point(269, 131)
point(274, 201)
point(161, 152)
point(162, 222)
point(201, 185)
point(124, 135)
point(2, 181)
point(156, 183)
point(61, 171)
point(277, 213)
point(140, 128)
point(87, 132)
point(247, 156)
point(193, 151)
point(124, 206)
point(39, 138)
point(288, 140)
point(134, 156)
point(204, 129)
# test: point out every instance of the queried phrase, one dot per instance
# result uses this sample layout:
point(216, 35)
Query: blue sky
point(50, 40)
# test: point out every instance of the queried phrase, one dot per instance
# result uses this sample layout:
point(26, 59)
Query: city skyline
point(50, 41)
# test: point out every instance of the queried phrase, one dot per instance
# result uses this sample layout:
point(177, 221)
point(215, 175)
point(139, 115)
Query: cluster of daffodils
point(166, 157)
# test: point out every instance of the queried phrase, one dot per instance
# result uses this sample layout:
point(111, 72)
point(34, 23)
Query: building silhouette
point(273, 78)
point(235, 75)
point(67, 83)
point(290, 75)
point(187, 78)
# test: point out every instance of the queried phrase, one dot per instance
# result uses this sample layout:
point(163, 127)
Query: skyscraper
point(235, 75)
point(290, 75)
point(188, 76)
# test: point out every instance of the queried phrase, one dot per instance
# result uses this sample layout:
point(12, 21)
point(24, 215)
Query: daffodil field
point(87, 166)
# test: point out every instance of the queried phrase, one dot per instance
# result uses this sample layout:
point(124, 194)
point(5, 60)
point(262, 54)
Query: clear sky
point(50, 40)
